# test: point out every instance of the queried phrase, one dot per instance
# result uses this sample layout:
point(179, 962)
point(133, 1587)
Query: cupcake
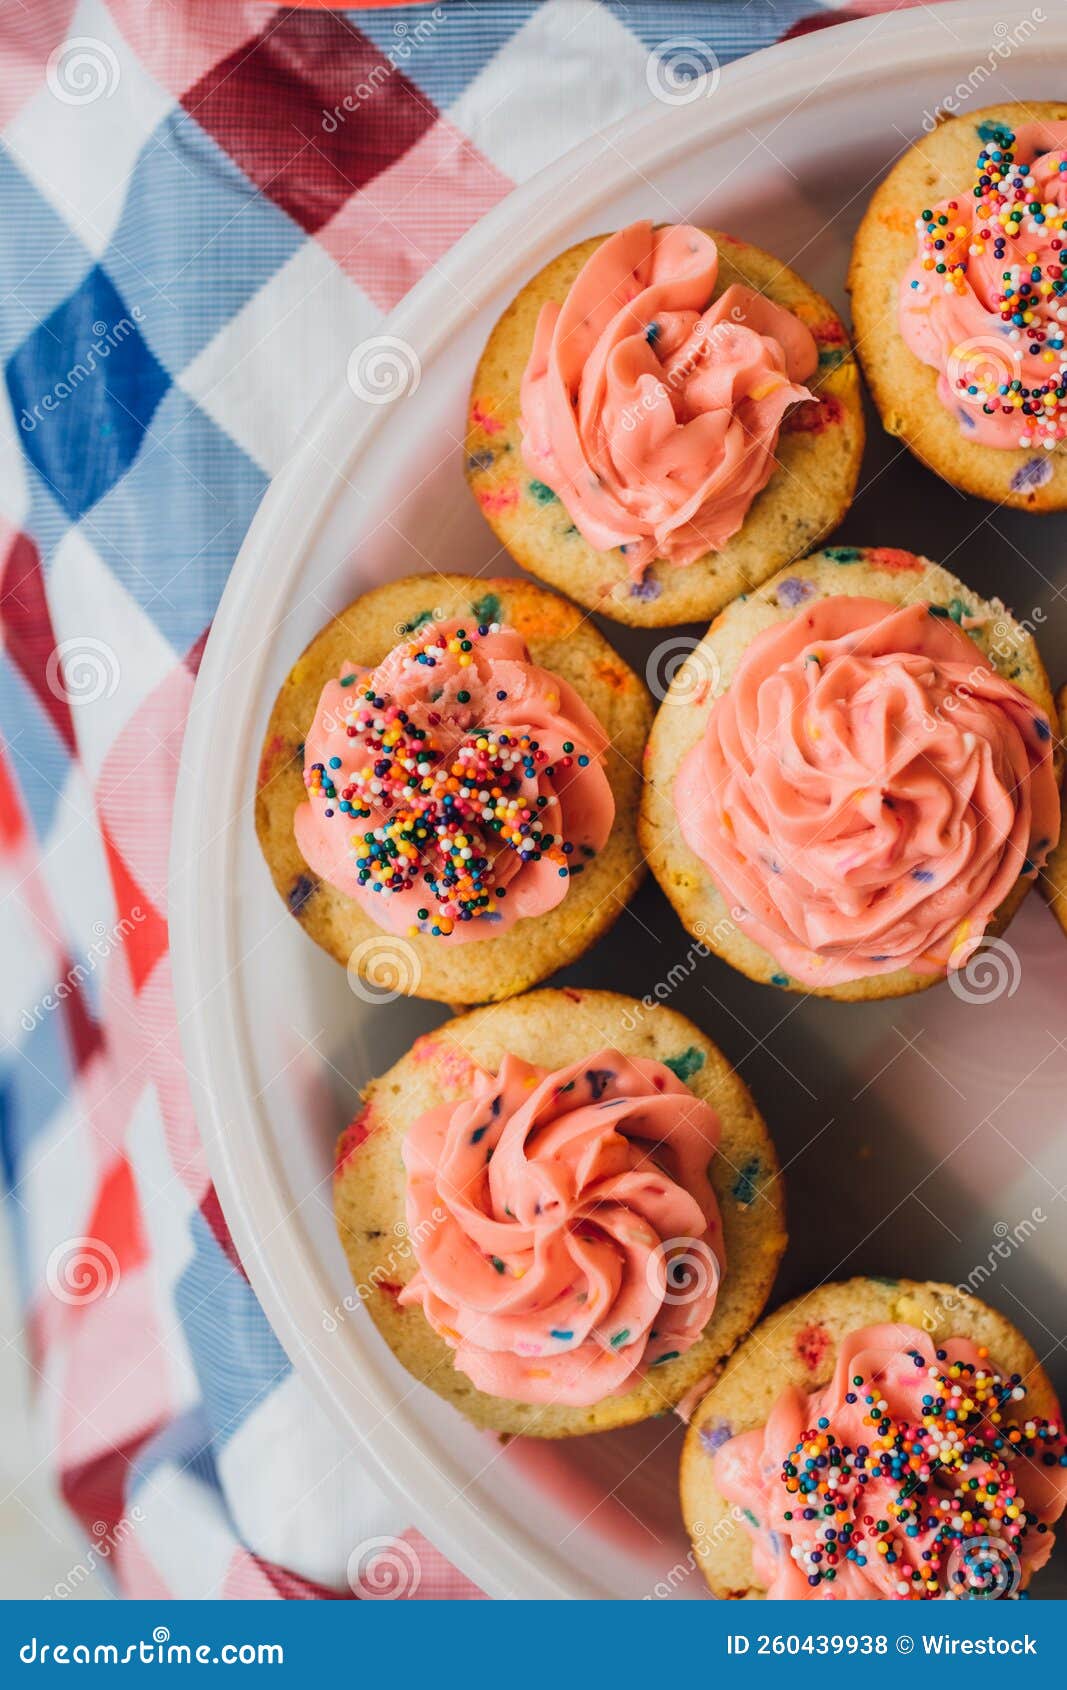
point(852, 778)
point(1054, 873)
point(661, 419)
point(959, 302)
point(448, 787)
point(877, 1439)
point(562, 1212)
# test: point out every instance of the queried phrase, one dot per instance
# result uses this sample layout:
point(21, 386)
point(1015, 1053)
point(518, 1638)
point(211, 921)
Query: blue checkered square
point(189, 275)
point(84, 386)
point(172, 527)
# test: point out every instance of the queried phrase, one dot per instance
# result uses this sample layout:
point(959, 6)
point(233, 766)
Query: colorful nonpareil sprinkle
point(1010, 219)
point(432, 810)
point(955, 1514)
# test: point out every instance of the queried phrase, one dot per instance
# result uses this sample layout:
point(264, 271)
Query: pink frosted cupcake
point(562, 1213)
point(660, 419)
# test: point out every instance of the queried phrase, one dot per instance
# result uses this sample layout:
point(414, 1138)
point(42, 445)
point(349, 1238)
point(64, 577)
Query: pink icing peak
point(918, 1471)
point(455, 788)
point(653, 411)
point(868, 791)
point(994, 313)
point(566, 1233)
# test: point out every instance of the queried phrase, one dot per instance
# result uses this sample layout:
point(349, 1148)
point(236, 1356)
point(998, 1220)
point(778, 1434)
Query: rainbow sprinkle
point(443, 812)
point(956, 1513)
point(1007, 209)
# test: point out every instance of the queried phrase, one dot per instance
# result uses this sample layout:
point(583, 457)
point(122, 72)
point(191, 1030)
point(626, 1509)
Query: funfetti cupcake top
point(653, 411)
point(916, 1474)
point(454, 788)
point(868, 790)
point(985, 300)
point(566, 1233)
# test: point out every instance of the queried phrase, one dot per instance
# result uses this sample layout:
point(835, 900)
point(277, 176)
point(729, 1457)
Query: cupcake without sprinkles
point(877, 1440)
point(853, 778)
point(448, 786)
point(562, 1212)
point(959, 302)
point(661, 418)
point(1053, 879)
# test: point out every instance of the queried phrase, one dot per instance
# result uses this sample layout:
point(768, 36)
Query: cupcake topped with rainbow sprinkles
point(960, 302)
point(448, 787)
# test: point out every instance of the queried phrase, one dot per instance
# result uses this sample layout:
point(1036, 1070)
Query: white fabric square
point(523, 122)
point(320, 1504)
point(271, 367)
point(79, 137)
point(169, 1209)
point(113, 654)
point(57, 1189)
point(29, 970)
point(183, 1532)
point(74, 869)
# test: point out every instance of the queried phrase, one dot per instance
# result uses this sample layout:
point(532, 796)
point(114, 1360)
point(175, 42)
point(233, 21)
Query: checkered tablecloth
point(192, 241)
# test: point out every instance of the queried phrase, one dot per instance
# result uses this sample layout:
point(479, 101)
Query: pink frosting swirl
point(983, 301)
point(868, 790)
point(652, 411)
point(455, 788)
point(566, 1233)
point(948, 1502)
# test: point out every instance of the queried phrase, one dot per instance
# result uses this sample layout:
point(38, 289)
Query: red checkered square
point(271, 105)
point(409, 216)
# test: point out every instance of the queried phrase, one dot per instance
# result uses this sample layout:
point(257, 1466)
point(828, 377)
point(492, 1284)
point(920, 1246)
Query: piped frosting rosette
point(455, 788)
point(653, 411)
point(985, 300)
point(868, 790)
point(916, 1474)
point(566, 1233)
